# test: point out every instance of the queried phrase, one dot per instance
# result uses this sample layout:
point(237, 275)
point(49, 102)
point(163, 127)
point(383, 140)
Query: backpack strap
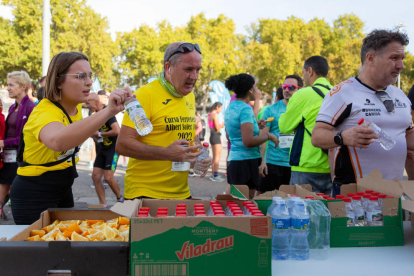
point(22, 163)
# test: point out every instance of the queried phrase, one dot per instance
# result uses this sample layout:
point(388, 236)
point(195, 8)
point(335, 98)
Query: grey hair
point(168, 52)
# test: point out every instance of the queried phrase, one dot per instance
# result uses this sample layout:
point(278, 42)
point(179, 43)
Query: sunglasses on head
point(386, 100)
point(185, 48)
point(290, 87)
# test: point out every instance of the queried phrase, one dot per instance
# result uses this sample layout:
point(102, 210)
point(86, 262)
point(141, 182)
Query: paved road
point(84, 195)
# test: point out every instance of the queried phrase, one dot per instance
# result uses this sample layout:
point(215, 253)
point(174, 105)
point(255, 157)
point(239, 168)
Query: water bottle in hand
point(384, 139)
point(137, 114)
point(200, 158)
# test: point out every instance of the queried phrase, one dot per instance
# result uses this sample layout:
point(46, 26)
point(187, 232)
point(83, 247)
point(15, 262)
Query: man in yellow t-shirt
point(157, 167)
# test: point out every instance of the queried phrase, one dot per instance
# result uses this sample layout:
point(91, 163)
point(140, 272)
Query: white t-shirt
point(344, 106)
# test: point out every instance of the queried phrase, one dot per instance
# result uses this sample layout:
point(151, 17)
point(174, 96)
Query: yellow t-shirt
point(172, 119)
point(35, 152)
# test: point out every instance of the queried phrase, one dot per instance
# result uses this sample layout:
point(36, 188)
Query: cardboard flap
point(374, 181)
point(128, 208)
point(270, 194)
point(95, 206)
point(241, 191)
point(408, 187)
point(337, 209)
point(348, 188)
point(407, 205)
point(291, 189)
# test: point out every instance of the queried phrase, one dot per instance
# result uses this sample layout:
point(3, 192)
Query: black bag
point(20, 151)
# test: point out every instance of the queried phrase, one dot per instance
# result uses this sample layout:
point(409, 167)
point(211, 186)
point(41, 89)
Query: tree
point(74, 27)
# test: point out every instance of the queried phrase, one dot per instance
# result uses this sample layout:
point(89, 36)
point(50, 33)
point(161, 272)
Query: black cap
point(101, 92)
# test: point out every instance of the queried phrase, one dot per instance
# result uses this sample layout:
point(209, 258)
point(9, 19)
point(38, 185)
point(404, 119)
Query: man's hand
point(203, 166)
point(263, 169)
point(262, 123)
point(359, 137)
point(177, 153)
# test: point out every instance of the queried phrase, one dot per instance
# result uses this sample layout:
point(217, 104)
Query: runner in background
point(243, 133)
point(215, 139)
point(18, 85)
point(409, 162)
point(106, 158)
point(52, 137)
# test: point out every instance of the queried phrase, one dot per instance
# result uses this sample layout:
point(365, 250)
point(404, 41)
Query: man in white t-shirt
point(372, 97)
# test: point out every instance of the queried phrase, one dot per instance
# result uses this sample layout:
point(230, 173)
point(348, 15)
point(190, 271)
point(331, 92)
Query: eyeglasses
point(290, 87)
point(185, 48)
point(82, 76)
point(386, 100)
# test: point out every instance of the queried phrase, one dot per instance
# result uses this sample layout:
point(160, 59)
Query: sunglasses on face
point(290, 87)
point(82, 76)
point(185, 48)
point(386, 100)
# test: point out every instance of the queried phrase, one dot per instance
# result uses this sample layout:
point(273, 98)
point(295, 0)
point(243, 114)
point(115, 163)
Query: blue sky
point(132, 13)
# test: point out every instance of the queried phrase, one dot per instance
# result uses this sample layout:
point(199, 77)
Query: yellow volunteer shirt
point(35, 152)
point(172, 119)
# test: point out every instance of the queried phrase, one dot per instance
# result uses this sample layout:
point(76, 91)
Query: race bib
point(68, 153)
point(285, 140)
point(180, 166)
point(9, 155)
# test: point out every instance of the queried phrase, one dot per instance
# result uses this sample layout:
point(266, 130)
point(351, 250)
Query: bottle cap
point(326, 196)
point(250, 205)
point(293, 196)
point(229, 202)
point(373, 198)
point(238, 215)
point(214, 202)
point(366, 195)
point(310, 197)
point(258, 215)
point(356, 198)
point(143, 212)
point(162, 209)
point(340, 196)
point(219, 215)
point(368, 191)
point(218, 212)
point(199, 205)
point(246, 202)
point(350, 194)
point(182, 205)
point(360, 193)
point(206, 145)
point(330, 198)
point(375, 193)
point(256, 212)
point(237, 212)
point(347, 199)
point(361, 121)
point(181, 212)
point(382, 196)
point(320, 194)
point(144, 208)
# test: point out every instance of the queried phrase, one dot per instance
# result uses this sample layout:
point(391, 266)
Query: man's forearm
point(130, 147)
point(410, 140)
point(111, 133)
point(323, 138)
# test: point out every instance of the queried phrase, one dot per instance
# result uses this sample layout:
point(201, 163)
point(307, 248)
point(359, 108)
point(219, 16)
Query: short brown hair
point(377, 40)
point(59, 65)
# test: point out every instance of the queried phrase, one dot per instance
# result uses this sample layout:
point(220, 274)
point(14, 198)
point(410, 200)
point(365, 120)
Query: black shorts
point(244, 172)
point(31, 195)
point(215, 137)
point(7, 173)
point(106, 159)
point(276, 176)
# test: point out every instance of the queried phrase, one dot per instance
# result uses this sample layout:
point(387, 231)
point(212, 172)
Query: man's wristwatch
point(338, 139)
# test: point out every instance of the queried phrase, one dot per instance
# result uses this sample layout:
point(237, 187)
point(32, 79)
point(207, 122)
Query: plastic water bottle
point(100, 138)
point(374, 212)
point(299, 246)
point(350, 215)
point(271, 207)
point(290, 203)
point(319, 229)
point(381, 198)
point(137, 114)
point(384, 139)
point(358, 210)
point(280, 231)
point(204, 155)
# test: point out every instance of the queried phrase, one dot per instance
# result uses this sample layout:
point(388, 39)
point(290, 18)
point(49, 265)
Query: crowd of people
point(309, 135)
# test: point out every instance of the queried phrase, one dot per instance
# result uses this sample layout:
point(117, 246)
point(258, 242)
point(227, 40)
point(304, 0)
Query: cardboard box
point(391, 234)
point(264, 200)
point(19, 257)
point(199, 245)
point(408, 204)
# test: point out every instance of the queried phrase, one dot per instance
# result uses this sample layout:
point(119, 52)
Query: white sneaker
point(93, 185)
point(217, 179)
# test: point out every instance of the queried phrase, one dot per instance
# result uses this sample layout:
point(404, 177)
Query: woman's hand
point(274, 139)
point(117, 98)
point(1, 143)
point(263, 169)
point(262, 123)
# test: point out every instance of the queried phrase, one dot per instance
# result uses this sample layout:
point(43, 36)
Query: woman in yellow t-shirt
point(52, 136)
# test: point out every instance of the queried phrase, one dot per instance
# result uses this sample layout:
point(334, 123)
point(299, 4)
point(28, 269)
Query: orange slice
point(110, 232)
point(34, 238)
point(48, 238)
point(270, 119)
point(98, 236)
point(113, 223)
point(118, 238)
point(98, 225)
point(60, 237)
point(123, 221)
point(125, 235)
point(192, 143)
point(56, 222)
point(39, 233)
point(123, 228)
point(48, 228)
point(75, 228)
point(84, 225)
point(42, 239)
point(67, 233)
point(93, 221)
point(76, 237)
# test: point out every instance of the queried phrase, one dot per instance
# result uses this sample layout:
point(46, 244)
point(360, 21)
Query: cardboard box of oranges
point(84, 242)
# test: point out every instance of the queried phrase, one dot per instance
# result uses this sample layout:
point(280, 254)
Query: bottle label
point(299, 223)
point(180, 166)
point(374, 216)
point(132, 106)
point(359, 214)
point(280, 223)
point(350, 219)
